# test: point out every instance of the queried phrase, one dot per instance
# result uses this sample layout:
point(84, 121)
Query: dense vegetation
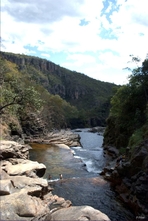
point(37, 95)
point(127, 124)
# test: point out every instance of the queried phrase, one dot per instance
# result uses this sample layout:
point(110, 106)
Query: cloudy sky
point(94, 37)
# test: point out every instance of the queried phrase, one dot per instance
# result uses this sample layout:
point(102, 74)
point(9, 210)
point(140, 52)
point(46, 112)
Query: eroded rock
point(12, 149)
point(16, 167)
point(62, 137)
point(79, 213)
point(6, 187)
point(130, 179)
point(18, 205)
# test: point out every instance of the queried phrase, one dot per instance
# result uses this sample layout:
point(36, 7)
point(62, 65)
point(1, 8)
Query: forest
point(38, 96)
point(127, 123)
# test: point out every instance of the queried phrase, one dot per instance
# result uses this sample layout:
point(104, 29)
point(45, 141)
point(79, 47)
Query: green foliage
point(128, 111)
point(60, 97)
point(136, 138)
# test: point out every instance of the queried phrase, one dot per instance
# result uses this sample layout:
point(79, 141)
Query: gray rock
point(22, 181)
point(12, 149)
point(66, 137)
point(79, 213)
point(21, 204)
point(6, 187)
point(23, 167)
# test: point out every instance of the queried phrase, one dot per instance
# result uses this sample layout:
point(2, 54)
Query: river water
point(81, 183)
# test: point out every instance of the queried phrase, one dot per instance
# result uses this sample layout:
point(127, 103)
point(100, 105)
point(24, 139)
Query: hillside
point(86, 99)
point(76, 88)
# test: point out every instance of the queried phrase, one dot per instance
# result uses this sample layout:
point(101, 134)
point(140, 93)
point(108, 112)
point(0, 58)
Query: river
point(81, 183)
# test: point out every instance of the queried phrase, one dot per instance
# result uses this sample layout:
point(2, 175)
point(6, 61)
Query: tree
point(128, 108)
point(14, 92)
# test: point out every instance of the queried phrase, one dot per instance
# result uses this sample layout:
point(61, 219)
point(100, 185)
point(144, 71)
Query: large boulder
point(79, 213)
point(16, 167)
point(22, 206)
point(23, 181)
point(12, 149)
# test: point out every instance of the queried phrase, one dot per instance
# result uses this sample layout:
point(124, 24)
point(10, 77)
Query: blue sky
point(93, 37)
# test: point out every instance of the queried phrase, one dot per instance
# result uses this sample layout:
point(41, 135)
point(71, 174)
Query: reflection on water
point(81, 182)
point(57, 161)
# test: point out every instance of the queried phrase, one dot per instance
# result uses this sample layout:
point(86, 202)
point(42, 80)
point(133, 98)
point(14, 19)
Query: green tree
point(128, 108)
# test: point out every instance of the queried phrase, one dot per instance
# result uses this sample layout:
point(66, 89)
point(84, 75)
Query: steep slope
point(76, 88)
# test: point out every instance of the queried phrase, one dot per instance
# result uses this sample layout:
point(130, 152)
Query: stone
point(6, 187)
point(12, 149)
point(25, 196)
point(22, 181)
point(112, 151)
point(21, 167)
point(63, 146)
point(79, 213)
point(20, 205)
point(3, 174)
point(44, 217)
point(61, 137)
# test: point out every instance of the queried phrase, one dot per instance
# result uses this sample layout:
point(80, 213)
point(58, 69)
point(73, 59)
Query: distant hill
point(91, 97)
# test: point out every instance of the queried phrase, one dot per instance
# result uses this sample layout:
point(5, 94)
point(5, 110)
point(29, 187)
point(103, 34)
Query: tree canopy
point(129, 107)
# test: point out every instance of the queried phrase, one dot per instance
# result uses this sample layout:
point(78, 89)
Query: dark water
point(81, 183)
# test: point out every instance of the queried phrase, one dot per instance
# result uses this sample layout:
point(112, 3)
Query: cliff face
point(129, 177)
point(70, 85)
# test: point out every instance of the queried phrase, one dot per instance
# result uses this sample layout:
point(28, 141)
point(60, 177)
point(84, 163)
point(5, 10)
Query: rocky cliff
point(76, 88)
point(129, 177)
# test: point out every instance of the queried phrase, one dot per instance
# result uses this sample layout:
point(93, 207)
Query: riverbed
point(80, 167)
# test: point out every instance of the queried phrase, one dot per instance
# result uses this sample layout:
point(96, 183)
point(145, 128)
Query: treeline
point(21, 97)
point(27, 105)
point(90, 97)
point(127, 124)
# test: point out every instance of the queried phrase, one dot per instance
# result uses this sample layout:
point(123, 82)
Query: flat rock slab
point(23, 181)
point(23, 167)
point(79, 213)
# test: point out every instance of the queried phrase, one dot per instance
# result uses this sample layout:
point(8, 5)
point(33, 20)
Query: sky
point(93, 37)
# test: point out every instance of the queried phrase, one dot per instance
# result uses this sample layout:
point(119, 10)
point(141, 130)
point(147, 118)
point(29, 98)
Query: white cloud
point(51, 27)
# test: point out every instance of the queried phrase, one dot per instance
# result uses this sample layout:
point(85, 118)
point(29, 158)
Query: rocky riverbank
point(129, 178)
point(56, 137)
point(26, 195)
